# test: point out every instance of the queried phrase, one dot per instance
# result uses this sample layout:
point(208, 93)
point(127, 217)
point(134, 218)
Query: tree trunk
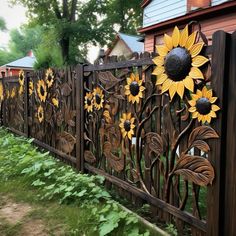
point(65, 43)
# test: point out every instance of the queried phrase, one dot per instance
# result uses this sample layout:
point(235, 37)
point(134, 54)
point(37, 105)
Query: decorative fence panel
point(151, 126)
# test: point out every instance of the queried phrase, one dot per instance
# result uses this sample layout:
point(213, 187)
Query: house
point(125, 45)
point(160, 16)
point(26, 64)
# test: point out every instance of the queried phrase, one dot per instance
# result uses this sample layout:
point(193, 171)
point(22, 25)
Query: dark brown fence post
point(79, 118)
point(230, 155)
point(26, 103)
point(4, 103)
point(215, 200)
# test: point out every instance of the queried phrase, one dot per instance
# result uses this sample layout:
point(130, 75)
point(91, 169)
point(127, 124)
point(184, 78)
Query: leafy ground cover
point(58, 200)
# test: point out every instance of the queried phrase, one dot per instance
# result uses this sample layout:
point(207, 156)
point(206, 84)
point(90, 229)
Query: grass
point(74, 203)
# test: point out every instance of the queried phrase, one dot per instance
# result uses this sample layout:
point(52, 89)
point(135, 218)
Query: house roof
point(144, 3)
point(25, 62)
point(133, 42)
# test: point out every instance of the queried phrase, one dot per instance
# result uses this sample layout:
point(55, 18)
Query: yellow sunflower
point(98, 98)
point(178, 62)
point(13, 93)
point(40, 114)
point(55, 102)
point(202, 105)
point(42, 90)
point(31, 87)
point(127, 125)
point(21, 77)
point(49, 77)
point(21, 89)
point(1, 91)
point(88, 102)
point(134, 89)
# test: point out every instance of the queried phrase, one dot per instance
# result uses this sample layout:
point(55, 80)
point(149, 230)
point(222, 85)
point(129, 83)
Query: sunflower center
point(178, 63)
point(89, 102)
point(203, 106)
point(42, 90)
point(97, 99)
point(49, 78)
point(134, 88)
point(127, 125)
point(40, 114)
point(21, 77)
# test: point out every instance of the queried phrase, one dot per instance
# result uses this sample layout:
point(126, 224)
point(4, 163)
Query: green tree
point(2, 24)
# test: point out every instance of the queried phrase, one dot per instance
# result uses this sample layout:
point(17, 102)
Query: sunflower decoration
point(1, 92)
point(49, 77)
point(21, 77)
point(134, 89)
point(127, 125)
point(98, 98)
point(42, 90)
point(55, 102)
point(21, 89)
point(88, 102)
point(202, 105)
point(40, 114)
point(13, 93)
point(31, 87)
point(178, 62)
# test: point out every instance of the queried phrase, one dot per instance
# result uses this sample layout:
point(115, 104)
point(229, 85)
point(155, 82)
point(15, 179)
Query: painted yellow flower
point(13, 93)
point(1, 91)
point(21, 89)
point(98, 98)
point(55, 102)
point(7, 93)
point(178, 62)
point(49, 77)
point(31, 87)
point(88, 102)
point(134, 89)
point(202, 105)
point(42, 90)
point(127, 125)
point(21, 77)
point(40, 114)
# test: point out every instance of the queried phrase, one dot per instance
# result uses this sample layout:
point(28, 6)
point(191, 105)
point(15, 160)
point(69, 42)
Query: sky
point(15, 16)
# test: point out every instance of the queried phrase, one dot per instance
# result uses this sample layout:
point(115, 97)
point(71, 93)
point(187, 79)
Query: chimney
point(30, 54)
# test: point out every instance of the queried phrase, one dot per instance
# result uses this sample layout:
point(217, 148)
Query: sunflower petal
point(196, 49)
point(196, 73)
point(199, 117)
point(175, 36)
point(162, 50)
point(190, 41)
point(199, 93)
point(214, 107)
point(212, 114)
point(180, 88)
point(158, 70)
point(192, 109)
point(162, 79)
point(159, 61)
point(166, 85)
point(208, 118)
point(212, 99)
point(199, 61)
point(129, 135)
point(195, 97)
point(168, 41)
point(195, 114)
point(188, 83)
point(172, 90)
point(204, 91)
point(209, 94)
point(183, 36)
point(192, 103)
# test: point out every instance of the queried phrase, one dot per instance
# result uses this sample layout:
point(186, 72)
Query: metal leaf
point(65, 142)
point(196, 169)
point(65, 89)
point(154, 143)
point(107, 79)
point(202, 133)
point(89, 157)
point(202, 145)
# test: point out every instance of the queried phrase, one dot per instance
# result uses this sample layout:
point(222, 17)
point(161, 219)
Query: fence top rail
point(131, 63)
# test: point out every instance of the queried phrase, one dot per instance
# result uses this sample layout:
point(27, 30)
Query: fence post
point(26, 103)
point(79, 118)
point(219, 78)
point(230, 179)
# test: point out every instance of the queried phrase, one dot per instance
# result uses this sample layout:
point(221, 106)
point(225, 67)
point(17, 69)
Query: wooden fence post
point(215, 199)
point(230, 155)
point(79, 118)
point(26, 103)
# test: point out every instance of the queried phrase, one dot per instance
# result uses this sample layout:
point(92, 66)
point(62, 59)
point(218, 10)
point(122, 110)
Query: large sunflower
point(134, 89)
point(42, 90)
point(21, 89)
point(178, 62)
point(31, 87)
point(98, 98)
point(49, 77)
point(202, 105)
point(88, 102)
point(127, 125)
point(40, 114)
point(21, 77)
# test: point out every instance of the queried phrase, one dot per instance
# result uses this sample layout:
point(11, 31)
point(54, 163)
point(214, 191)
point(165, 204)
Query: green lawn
point(63, 201)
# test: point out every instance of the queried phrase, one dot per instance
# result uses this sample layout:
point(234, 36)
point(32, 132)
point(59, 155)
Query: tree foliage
point(2, 24)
